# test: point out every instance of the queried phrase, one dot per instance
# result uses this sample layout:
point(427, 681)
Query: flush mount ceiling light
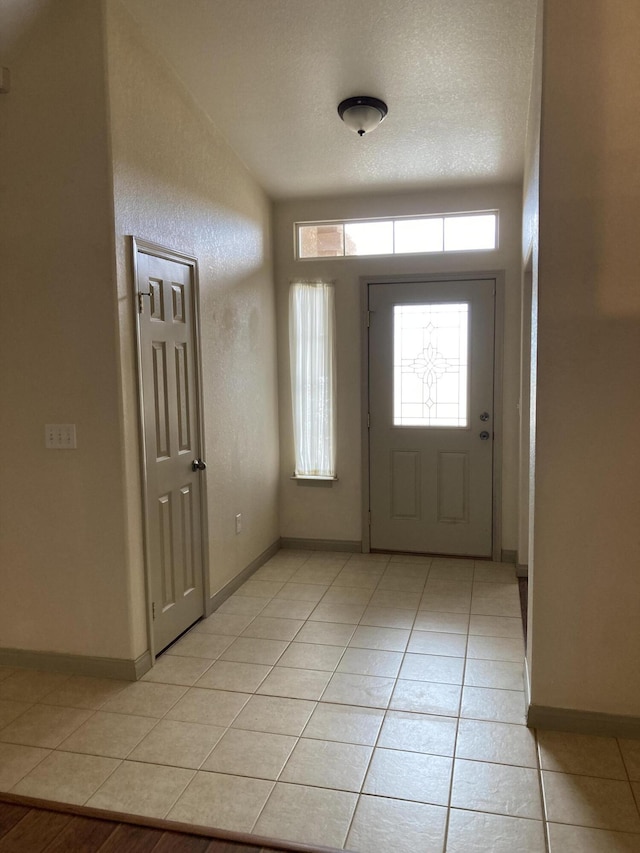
point(362, 114)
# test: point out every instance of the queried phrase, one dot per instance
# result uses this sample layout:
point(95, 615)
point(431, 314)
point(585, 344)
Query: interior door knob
point(198, 465)
point(484, 435)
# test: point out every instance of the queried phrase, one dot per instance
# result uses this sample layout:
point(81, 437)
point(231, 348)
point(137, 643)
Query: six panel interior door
point(431, 354)
point(173, 465)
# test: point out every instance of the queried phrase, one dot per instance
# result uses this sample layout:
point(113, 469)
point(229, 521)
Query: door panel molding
point(498, 277)
point(453, 506)
point(405, 483)
point(159, 311)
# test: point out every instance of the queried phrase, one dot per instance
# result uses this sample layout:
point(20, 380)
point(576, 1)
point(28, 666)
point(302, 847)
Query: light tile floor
point(359, 701)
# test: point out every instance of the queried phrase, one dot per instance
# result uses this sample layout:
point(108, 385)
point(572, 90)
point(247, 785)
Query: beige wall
point(63, 558)
point(176, 182)
point(335, 512)
point(585, 650)
point(71, 560)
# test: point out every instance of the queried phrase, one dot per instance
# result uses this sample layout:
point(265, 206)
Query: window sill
point(309, 479)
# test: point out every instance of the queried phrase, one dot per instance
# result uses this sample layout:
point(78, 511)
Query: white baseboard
point(350, 545)
point(583, 722)
point(95, 667)
point(235, 583)
point(126, 670)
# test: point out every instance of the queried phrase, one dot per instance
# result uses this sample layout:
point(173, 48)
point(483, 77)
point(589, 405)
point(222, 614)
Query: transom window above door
point(459, 232)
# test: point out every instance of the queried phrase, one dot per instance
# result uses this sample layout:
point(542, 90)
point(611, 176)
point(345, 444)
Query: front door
point(431, 354)
point(174, 470)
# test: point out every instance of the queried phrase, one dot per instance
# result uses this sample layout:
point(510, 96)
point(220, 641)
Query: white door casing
point(173, 470)
point(430, 453)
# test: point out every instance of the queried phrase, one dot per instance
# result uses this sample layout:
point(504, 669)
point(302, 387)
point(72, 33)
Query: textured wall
point(176, 182)
point(63, 560)
point(586, 644)
point(335, 512)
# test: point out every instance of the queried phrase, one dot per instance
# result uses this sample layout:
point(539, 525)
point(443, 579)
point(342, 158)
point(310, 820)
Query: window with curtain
point(313, 378)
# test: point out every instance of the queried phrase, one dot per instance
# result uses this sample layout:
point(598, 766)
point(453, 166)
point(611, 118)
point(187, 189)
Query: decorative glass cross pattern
point(430, 365)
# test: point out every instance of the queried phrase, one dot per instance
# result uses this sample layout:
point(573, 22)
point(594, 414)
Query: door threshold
point(435, 554)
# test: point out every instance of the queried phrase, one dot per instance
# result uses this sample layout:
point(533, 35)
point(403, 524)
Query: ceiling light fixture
point(362, 114)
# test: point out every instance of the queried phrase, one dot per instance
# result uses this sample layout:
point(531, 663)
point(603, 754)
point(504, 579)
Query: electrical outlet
point(239, 523)
point(60, 436)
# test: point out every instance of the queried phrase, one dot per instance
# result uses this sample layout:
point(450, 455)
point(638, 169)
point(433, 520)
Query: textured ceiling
point(455, 74)
point(270, 73)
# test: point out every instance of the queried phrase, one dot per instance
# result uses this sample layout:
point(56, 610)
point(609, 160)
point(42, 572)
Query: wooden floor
point(29, 828)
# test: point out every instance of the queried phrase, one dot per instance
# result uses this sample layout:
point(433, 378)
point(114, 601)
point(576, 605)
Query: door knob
point(198, 465)
point(484, 435)
point(484, 416)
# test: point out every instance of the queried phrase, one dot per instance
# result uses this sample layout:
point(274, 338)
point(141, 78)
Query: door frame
point(498, 276)
point(140, 246)
point(526, 315)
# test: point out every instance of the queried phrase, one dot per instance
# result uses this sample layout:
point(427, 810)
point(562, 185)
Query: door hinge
point(368, 319)
point(153, 610)
point(368, 420)
point(369, 518)
point(140, 302)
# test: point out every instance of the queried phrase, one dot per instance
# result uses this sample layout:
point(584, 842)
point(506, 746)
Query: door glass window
point(430, 365)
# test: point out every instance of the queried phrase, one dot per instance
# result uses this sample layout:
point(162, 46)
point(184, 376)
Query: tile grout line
point(384, 712)
point(299, 737)
point(174, 801)
point(384, 717)
point(119, 759)
point(543, 795)
point(455, 742)
point(636, 799)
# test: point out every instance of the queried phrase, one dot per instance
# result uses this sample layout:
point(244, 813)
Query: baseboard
point(507, 556)
point(142, 665)
point(350, 545)
point(95, 667)
point(235, 583)
point(522, 570)
point(583, 722)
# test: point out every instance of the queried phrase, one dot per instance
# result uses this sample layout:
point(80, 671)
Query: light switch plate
point(60, 436)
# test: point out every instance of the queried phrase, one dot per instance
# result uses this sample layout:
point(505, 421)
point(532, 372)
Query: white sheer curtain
point(313, 380)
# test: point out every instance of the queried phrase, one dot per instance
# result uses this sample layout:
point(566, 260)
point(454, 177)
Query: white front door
point(431, 354)
point(174, 470)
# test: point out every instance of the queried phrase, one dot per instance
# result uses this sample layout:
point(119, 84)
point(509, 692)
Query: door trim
point(498, 276)
point(140, 246)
